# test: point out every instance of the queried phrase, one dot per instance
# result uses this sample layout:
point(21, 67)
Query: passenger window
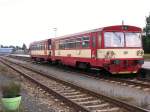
point(93, 42)
point(85, 42)
point(99, 40)
point(57, 45)
point(78, 43)
point(49, 44)
point(71, 43)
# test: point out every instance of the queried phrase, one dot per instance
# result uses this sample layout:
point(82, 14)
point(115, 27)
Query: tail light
point(140, 53)
point(140, 62)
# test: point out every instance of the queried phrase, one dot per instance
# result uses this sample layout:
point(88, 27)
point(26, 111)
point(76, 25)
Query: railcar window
point(133, 40)
point(66, 44)
point(114, 39)
point(42, 47)
point(62, 45)
point(71, 43)
point(49, 44)
point(94, 42)
point(78, 43)
point(33, 47)
point(57, 44)
point(99, 40)
point(85, 42)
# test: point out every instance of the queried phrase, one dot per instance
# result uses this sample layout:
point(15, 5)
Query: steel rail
point(131, 82)
point(50, 91)
point(117, 102)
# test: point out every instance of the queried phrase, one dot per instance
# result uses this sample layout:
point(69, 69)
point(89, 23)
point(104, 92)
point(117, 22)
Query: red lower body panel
point(124, 65)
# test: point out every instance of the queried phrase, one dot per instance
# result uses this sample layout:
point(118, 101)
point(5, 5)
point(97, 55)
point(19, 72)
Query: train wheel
point(83, 66)
point(104, 74)
point(141, 73)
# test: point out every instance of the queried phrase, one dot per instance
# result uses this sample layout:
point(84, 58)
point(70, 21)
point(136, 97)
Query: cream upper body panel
point(120, 53)
point(86, 53)
point(83, 53)
point(40, 52)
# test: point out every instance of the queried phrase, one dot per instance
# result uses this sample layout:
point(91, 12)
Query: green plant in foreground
point(11, 90)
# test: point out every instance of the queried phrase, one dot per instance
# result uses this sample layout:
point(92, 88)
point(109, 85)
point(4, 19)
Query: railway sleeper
point(75, 96)
point(98, 105)
point(89, 102)
point(78, 96)
point(71, 93)
point(89, 99)
point(64, 90)
point(115, 109)
point(60, 88)
point(83, 98)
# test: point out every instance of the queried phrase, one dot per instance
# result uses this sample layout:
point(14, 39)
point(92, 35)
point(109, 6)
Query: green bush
point(11, 90)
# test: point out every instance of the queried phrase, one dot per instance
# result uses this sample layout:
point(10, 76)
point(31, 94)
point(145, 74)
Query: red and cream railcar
point(117, 49)
point(41, 50)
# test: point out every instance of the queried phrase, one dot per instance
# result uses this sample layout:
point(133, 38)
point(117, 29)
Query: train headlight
point(109, 54)
point(140, 53)
point(116, 62)
point(140, 62)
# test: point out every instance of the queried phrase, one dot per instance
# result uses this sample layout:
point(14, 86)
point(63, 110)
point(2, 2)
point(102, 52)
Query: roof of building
point(6, 50)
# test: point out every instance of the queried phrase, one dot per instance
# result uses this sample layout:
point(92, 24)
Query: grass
point(147, 57)
point(3, 69)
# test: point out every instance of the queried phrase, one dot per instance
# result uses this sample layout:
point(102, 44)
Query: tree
point(18, 47)
point(1, 46)
point(146, 38)
point(24, 47)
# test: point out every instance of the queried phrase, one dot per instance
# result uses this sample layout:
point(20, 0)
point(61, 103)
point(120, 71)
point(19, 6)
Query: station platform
point(20, 55)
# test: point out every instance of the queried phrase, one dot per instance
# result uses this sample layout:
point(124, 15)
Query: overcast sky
point(24, 21)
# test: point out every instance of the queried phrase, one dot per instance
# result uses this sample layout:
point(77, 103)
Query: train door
point(94, 45)
point(53, 49)
point(49, 48)
point(45, 47)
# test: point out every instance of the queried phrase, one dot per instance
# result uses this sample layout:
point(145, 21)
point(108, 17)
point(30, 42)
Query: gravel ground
point(146, 65)
point(34, 99)
point(129, 94)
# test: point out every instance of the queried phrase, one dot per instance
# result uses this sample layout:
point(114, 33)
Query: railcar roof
point(80, 33)
point(40, 41)
point(108, 28)
point(111, 28)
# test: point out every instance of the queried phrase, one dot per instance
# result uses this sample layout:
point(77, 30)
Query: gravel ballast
point(129, 94)
point(34, 99)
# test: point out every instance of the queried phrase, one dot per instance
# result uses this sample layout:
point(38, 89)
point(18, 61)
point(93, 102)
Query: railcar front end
point(122, 53)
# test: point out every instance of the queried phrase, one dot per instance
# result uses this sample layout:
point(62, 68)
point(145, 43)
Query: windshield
point(133, 39)
point(114, 39)
point(119, 39)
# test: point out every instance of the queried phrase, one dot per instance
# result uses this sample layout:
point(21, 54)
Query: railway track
point(81, 99)
point(138, 83)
